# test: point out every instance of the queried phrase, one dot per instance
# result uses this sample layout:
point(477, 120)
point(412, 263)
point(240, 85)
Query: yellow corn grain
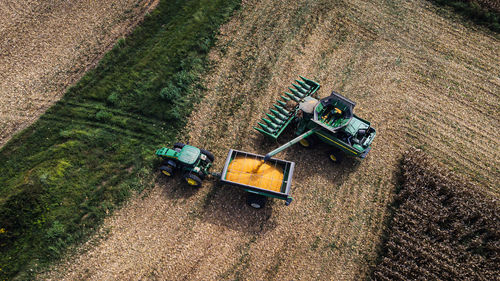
point(255, 172)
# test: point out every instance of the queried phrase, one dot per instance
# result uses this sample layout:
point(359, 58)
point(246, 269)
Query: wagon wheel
point(209, 154)
point(167, 170)
point(192, 180)
point(256, 201)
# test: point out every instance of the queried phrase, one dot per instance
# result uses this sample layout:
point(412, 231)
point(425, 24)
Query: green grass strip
point(87, 153)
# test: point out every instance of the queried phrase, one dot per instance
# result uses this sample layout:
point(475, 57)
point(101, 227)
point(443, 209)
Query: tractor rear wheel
point(192, 180)
point(178, 145)
point(167, 170)
point(336, 156)
point(256, 201)
point(209, 154)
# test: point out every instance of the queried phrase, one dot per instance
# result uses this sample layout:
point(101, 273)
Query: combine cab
point(330, 120)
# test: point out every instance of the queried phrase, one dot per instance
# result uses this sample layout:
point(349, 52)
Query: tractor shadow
point(175, 188)
point(226, 206)
point(223, 205)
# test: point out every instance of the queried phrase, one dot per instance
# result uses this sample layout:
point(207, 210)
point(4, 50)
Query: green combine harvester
point(330, 120)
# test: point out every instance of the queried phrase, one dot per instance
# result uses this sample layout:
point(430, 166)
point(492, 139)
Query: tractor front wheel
point(167, 170)
point(192, 180)
point(336, 156)
point(209, 154)
point(256, 201)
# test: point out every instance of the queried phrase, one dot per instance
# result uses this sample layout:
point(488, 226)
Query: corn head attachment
point(285, 109)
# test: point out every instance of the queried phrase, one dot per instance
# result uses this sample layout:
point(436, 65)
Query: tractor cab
point(187, 155)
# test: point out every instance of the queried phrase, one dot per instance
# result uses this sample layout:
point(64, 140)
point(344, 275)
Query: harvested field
point(421, 79)
point(46, 46)
point(442, 229)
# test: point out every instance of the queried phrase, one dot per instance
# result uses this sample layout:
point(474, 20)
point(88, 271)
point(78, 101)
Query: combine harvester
point(330, 120)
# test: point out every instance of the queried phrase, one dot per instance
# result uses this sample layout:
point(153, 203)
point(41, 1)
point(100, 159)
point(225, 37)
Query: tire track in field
point(45, 46)
point(382, 54)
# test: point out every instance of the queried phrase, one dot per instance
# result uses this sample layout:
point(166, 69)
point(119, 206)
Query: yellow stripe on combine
point(338, 143)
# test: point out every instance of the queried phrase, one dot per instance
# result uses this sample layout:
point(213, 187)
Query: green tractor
point(330, 120)
point(192, 162)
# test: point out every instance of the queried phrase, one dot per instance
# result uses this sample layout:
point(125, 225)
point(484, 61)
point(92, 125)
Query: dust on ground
point(421, 79)
point(46, 46)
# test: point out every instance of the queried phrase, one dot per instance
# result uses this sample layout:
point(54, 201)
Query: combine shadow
point(314, 161)
point(318, 153)
point(226, 206)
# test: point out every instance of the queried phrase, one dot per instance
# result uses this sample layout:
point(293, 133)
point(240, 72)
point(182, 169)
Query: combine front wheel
point(336, 156)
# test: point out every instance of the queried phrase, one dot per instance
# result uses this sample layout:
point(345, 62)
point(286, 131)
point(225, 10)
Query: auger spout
point(290, 143)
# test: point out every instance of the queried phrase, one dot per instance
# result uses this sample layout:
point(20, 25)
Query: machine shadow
point(226, 206)
point(175, 188)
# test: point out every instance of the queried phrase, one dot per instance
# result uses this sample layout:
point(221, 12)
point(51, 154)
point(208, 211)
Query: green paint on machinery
point(194, 163)
point(330, 120)
point(281, 114)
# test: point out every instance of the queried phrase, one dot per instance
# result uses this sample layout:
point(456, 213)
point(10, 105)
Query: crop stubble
point(421, 79)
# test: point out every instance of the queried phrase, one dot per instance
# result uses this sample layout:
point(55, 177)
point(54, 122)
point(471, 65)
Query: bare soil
point(421, 78)
point(46, 46)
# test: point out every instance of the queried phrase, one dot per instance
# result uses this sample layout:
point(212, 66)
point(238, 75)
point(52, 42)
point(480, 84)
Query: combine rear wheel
point(336, 156)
